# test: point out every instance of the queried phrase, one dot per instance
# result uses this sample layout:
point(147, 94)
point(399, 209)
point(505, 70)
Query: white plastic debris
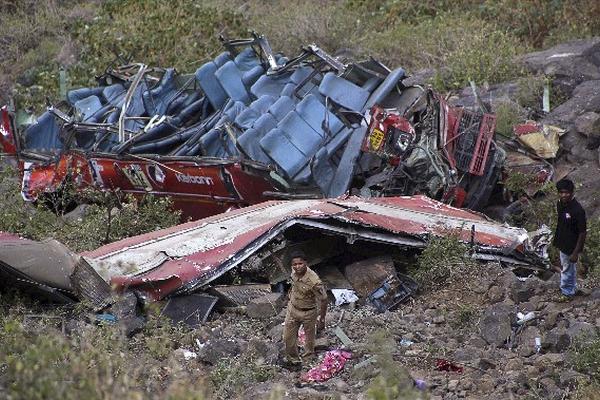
point(343, 296)
point(188, 355)
point(522, 318)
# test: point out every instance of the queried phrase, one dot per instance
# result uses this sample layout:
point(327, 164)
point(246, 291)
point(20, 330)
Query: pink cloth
point(301, 337)
point(332, 363)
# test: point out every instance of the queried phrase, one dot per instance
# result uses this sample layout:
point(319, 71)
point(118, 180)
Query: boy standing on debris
point(570, 235)
point(306, 294)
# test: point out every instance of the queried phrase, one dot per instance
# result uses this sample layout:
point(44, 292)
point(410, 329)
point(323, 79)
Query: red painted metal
point(7, 136)
point(191, 255)
point(482, 146)
point(198, 187)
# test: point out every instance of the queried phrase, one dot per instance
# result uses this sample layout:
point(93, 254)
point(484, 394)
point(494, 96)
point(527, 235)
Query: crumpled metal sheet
point(201, 251)
point(50, 271)
point(541, 138)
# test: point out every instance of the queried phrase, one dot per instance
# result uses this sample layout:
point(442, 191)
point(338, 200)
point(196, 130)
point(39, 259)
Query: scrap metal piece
point(541, 138)
point(50, 271)
point(342, 336)
point(192, 310)
point(239, 295)
point(392, 292)
point(88, 285)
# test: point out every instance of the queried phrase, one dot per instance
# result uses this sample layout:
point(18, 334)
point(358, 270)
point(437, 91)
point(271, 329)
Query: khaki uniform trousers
point(293, 319)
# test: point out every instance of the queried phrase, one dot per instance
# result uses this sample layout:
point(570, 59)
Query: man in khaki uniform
point(306, 294)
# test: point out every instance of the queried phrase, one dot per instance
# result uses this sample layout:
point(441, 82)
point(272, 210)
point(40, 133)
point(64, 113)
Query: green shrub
point(458, 47)
point(543, 23)
point(587, 392)
point(36, 40)
point(231, 376)
point(443, 258)
point(160, 337)
point(542, 210)
point(530, 91)
point(392, 380)
point(464, 316)
point(290, 25)
point(40, 359)
point(111, 216)
point(179, 33)
point(508, 114)
point(591, 254)
point(584, 356)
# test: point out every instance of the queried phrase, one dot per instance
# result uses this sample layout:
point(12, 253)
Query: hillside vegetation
point(460, 40)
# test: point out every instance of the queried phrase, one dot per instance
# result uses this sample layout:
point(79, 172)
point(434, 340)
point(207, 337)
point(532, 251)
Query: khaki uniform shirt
point(307, 291)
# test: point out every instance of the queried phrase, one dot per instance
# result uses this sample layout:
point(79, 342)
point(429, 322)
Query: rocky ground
point(471, 323)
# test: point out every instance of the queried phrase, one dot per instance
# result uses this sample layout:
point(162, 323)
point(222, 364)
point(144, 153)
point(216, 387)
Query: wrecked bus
point(252, 125)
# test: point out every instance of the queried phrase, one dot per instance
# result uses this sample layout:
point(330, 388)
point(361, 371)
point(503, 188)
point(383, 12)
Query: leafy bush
point(111, 216)
point(508, 114)
point(591, 254)
point(232, 376)
point(530, 91)
point(36, 41)
point(392, 380)
point(587, 392)
point(542, 23)
point(39, 361)
point(464, 316)
point(584, 356)
point(460, 48)
point(464, 39)
point(179, 33)
point(290, 25)
point(443, 258)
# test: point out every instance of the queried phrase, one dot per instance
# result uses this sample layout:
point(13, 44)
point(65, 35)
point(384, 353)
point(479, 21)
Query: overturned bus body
point(252, 125)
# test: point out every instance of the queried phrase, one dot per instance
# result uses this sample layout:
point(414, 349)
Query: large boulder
point(367, 275)
point(568, 63)
point(527, 341)
point(557, 340)
point(521, 292)
point(492, 96)
point(217, 349)
point(585, 98)
point(495, 324)
point(588, 124)
point(266, 306)
point(581, 331)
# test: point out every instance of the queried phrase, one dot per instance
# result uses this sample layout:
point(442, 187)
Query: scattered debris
point(50, 271)
point(344, 296)
point(333, 361)
point(448, 366)
point(420, 384)
point(541, 138)
point(346, 341)
point(393, 291)
point(522, 318)
point(192, 310)
point(188, 257)
point(238, 295)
